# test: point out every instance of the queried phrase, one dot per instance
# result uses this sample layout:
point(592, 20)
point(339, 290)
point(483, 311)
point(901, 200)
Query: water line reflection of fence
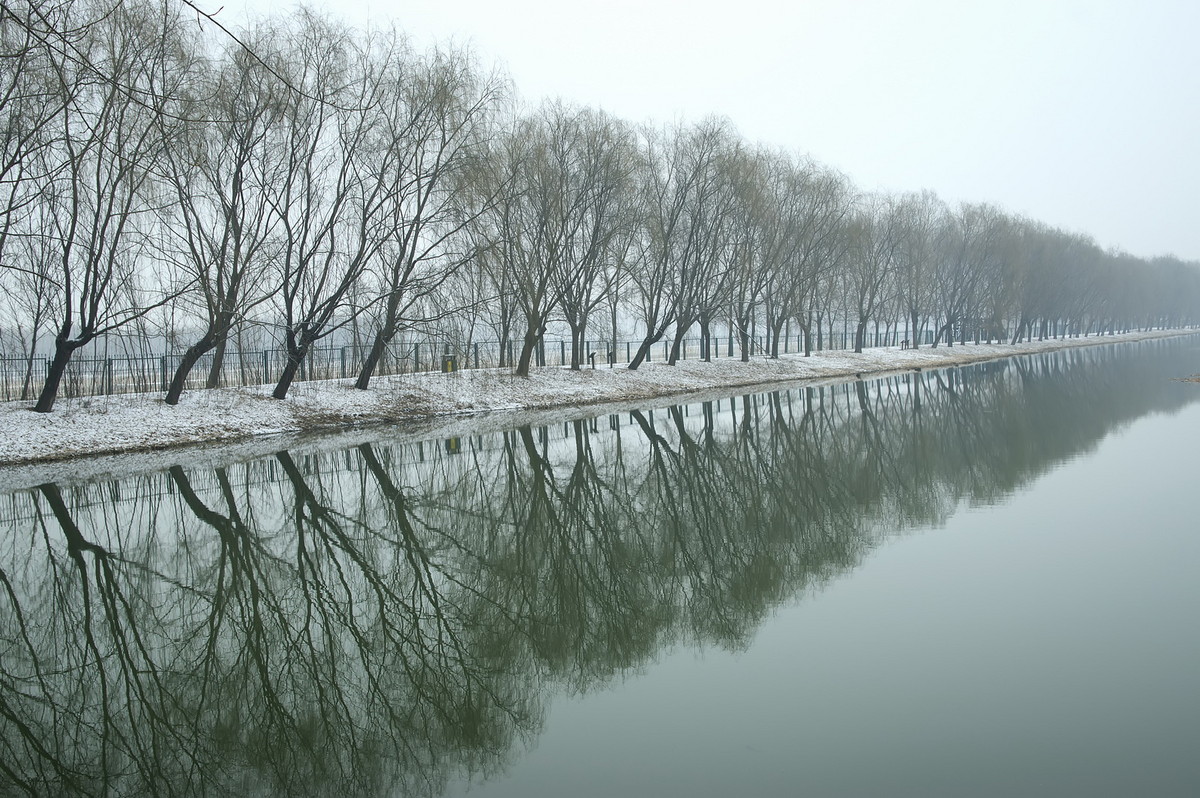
point(22, 377)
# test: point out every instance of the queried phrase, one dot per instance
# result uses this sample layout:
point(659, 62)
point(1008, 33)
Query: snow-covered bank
point(142, 422)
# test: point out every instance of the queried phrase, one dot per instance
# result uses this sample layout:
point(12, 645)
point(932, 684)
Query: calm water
point(969, 582)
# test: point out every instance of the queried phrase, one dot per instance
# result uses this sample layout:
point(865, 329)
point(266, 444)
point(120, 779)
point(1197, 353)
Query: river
point(975, 581)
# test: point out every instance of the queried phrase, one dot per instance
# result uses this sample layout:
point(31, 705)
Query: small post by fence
point(162, 368)
point(266, 373)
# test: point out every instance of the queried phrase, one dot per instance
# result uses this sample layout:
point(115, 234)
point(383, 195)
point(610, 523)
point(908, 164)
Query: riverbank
point(143, 422)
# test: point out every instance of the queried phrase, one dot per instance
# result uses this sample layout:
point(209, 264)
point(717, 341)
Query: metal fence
point(22, 377)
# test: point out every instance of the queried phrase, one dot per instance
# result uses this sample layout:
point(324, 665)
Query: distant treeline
point(298, 179)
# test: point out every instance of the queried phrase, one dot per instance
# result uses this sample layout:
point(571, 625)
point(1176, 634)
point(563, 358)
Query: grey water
point(977, 581)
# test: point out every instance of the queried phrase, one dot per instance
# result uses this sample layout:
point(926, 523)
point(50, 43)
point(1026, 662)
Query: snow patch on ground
point(143, 422)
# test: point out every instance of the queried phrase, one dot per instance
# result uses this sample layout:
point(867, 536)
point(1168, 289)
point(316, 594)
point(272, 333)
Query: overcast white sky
point(1085, 115)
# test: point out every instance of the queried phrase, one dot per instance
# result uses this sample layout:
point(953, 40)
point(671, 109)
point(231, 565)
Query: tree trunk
point(577, 353)
point(1019, 333)
point(776, 331)
point(643, 351)
point(532, 335)
point(286, 378)
point(680, 334)
point(214, 371)
point(190, 358)
point(28, 381)
point(378, 344)
point(613, 360)
point(296, 351)
point(58, 367)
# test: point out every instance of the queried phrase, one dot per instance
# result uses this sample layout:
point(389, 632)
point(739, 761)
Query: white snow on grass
point(143, 422)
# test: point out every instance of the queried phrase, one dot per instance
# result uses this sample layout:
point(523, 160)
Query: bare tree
point(874, 236)
point(812, 203)
point(437, 117)
point(688, 200)
point(921, 224)
point(29, 294)
point(31, 100)
point(99, 201)
point(757, 238)
point(968, 250)
point(334, 191)
point(519, 237)
point(222, 170)
point(549, 233)
point(595, 248)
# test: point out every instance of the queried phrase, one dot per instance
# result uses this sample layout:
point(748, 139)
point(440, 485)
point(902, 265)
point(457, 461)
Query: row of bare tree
point(302, 178)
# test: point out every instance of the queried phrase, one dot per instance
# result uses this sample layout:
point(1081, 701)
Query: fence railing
point(22, 377)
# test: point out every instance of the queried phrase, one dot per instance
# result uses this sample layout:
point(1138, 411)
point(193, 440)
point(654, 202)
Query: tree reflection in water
point(375, 620)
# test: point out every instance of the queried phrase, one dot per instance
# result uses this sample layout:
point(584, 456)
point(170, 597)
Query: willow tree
point(595, 247)
point(969, 250)
point(687, 200)
point(808, 211)
point(331, 198)
point(558, 175)
point(438, 113)
point(222, 170)
point(874, 237)
point(121, 78)
point(922, 225)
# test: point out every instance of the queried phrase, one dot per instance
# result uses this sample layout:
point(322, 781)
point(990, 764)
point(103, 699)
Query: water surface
point(977, 581)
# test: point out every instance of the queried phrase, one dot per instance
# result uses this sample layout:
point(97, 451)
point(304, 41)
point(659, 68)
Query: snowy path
point(142, 422)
